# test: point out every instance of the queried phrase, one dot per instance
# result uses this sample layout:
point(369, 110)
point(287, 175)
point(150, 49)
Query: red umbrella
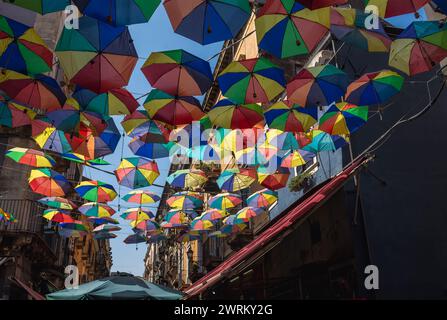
point(13, 114)
point(273, 181)
point(317, 4)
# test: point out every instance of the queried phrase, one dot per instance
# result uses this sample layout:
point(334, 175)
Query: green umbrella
point(41, 6)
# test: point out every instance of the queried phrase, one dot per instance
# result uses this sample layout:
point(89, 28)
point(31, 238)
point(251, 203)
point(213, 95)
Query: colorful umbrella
point(57, 216)
point(285, 28)
point(252, 81)
point(141, 196)
point(317, 86)
point(320, 141)
point(224, 201)
point(137, 214)
point(58, 203)
point(92, 146)
point(212, 215)
point(48, 182)
point(419, 47)
point(257, 155)
point(287, 116)
point(189, 178)
point(154, 238)
point(113, 102)
point(49, 138)
point(119, 12)
point(97, 56)
point(236, 179)
point(5, 216)
point(22, 49)
point(351, 27)
point(343, 119)
point(42, 6)
point(73, 229)
point(13, 114)
point(374, 88)
point(441, 6)
point(142, 146)
point(103, 220)
point(38, 91)
point(188, 236)
point(283, 140)
point(176, 218)
point(297, 158)
point(97, 210)
point(178, 73)
point(392, 8)
point(317, 4)
point(104, 235)
point(96, 191)
point(273, 181)
point(79, 158)
point(262, 199)
point(135, 238)
point(201, 225)
point(208, 21)
point(185, 200)
point(150, 226)
point(229, 115)
point(136, 172)
point(106, 228)
point(232, 220)
point(248, 213)
point(30, 157)
point(172, 110)
point(228, 230)
point(139, 124)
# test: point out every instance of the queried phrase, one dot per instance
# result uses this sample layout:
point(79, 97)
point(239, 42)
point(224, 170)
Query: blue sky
point(157, 35)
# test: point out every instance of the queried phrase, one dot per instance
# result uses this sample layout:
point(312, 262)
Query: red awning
point(284, 223)
point(34, 294)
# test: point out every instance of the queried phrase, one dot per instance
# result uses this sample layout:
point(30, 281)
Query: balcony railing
point(27, 213)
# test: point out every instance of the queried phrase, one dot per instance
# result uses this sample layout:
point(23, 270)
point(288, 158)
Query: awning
point(34, 294)
point(268, 235)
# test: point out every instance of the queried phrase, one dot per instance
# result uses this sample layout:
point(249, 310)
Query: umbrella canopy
point(22, 49)
point(103, 220)
point(119, 12)
point(42, 6)
point(106, 228)
point(188, 236)
point(262, 199)
point(93, 146)
point(97, 210)
point(49, 138)
point(228, 230)
point(185, 200)
point(139, 124)
point(296, 158)
point(189, 178)
point(236, 179)
point(374, 88)
point(320, 141)
point(36, 91)
point(441, 5)
point(13, 114)
point(172, 110)
point(58, 203)
point(291, 117)
point(419, 47)
point(141, 196)
point(252, 81)
point(208, 21)
point(317, 4)
point(350, 26)
point(96, 191)
point(97, 56)
point(135, 238)
point(285, 28)
point(392, 8)
point(273, 181)
point(248, 213)
point(120, 287)
point(48, 182)
point(201, 225)
point(176, 218)
point(224, 201)
point(104, 235)
point(260, 154)
point(5, 216)
point(30, 157)
point(151, 227)
point(136, 172)
point(283, 140)
point(142, 146)
point(113, 102)
point(73, 229)
point(58, 216)
point(343, 119)
point(229, 115)
point(317, 86)
point(79, 158)
point(137, 214)
point(212, 215)
point(178, 73)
